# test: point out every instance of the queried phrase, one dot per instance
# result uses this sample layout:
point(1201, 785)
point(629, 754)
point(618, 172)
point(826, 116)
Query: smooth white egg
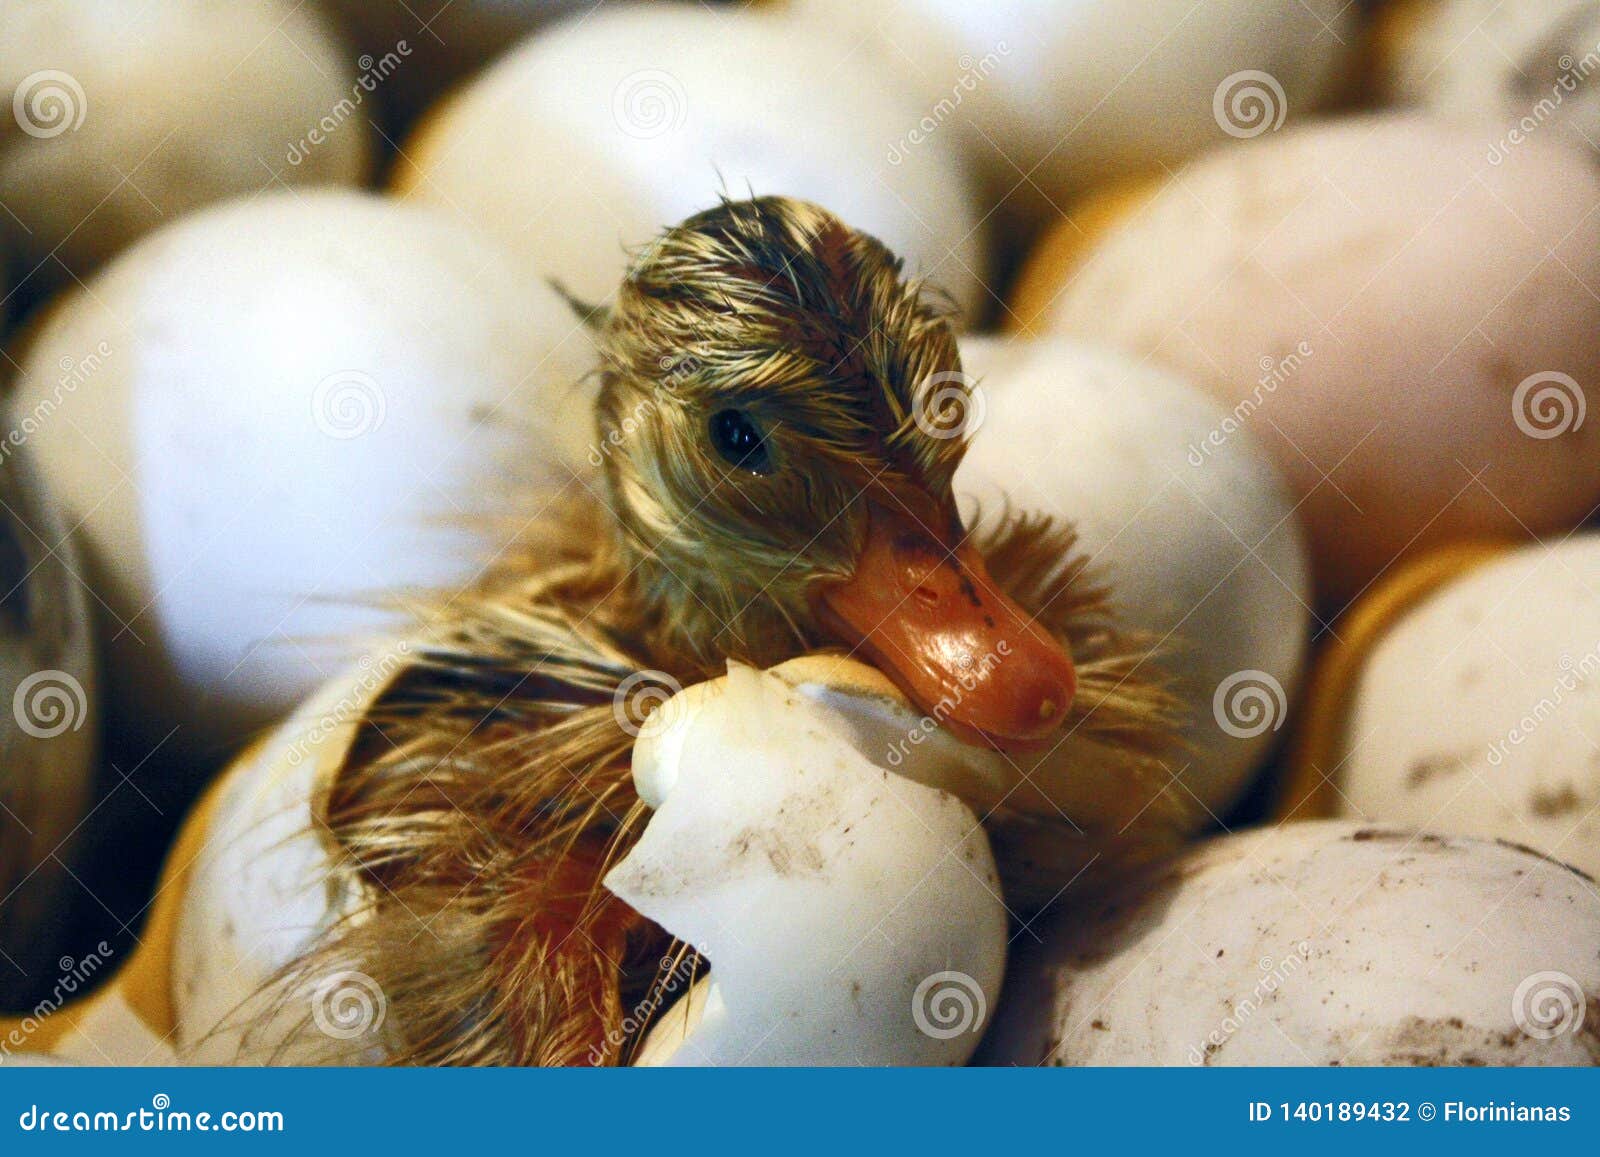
point(120, 118)
point(599, 132)
point(1049, 96)
point(294, 409)
point(1325, 943)
point(1182, 515)
point(1478, 711)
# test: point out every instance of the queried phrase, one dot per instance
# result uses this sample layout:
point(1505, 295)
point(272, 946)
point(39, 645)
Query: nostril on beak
point(926, 595)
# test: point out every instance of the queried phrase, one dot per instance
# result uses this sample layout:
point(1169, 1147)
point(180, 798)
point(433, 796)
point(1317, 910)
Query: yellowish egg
point(120, 118)
point(1051, 97)
point(1407, 326)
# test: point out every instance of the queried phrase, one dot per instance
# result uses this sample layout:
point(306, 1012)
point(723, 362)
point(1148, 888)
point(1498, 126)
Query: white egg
point(599, 132)
point(119, 118)
point(1182, 515)
point(1518, 68)
point(1324, 943)
point(1048, 96)
point(850, 914)
point(283, 413)
point(1478, 711)
point(49, 720)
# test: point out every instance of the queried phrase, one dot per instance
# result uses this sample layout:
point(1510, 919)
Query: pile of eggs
point(1291, 307)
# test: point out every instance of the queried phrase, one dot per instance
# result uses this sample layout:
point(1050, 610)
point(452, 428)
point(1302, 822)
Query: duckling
point(779, 426)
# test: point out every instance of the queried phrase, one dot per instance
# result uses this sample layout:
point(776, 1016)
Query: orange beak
point(929, 616)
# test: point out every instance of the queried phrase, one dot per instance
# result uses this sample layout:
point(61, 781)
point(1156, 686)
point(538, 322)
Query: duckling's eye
point(739, 441)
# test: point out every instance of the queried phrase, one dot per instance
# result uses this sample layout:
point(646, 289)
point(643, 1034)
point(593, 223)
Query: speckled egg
point(1517, 69)
point(1405, 325)
point(599, 132)
point(1478, 710)
point(1197, 542)
point(294, 411)
point(1326, 943)
point(1051, 96)
point(117, 118)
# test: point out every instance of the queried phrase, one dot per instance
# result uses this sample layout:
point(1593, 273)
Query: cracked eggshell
point(1200, 549)
point(849, 914)
point(274, 415)
point(1048, 96)
point(1401, 323)
point(596, 134)
point(137, 113)
point(1318, 944)
point(1478, 711)
point(1515, 68)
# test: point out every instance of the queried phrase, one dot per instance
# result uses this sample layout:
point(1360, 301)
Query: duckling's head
point(781, 415)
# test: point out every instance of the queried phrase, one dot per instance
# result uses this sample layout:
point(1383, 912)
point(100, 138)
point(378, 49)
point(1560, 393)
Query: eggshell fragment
point(1333, 288)
point(1478, 712)
point(1326, 943)
point(599, 132)
point(120, 118)
point(284, 413)
point(775, 840)
point(1200, 548)
point(49, 716)
point(1049, 96)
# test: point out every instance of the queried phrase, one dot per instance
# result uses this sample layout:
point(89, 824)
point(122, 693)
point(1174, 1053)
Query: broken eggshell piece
point(849, 914)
